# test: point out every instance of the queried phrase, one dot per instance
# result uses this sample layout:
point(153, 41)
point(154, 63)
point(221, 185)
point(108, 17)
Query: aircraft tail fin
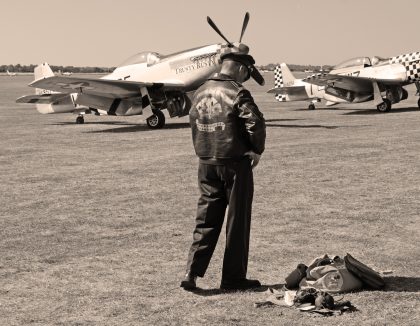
point(42, 71)
point(283, 77)
point(47, 101)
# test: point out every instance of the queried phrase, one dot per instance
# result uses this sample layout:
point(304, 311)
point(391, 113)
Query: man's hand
point(255, 158)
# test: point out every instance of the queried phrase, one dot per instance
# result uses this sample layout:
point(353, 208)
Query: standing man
point(228, 132)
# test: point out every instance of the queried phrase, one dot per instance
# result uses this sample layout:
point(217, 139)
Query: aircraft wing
point(290, 90)
point(100, 87)
point(351, 83)
point(42, 99)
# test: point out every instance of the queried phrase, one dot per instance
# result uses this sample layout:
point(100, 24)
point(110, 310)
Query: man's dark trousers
point(222, 185)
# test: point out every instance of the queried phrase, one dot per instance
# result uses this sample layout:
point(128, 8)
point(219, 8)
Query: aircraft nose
point(397, 72)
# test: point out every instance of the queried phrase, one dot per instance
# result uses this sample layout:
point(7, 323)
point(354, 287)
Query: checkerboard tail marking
point(278, 82)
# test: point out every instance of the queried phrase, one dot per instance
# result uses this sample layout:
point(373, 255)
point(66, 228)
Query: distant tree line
point(294, 67)
point(72, 69)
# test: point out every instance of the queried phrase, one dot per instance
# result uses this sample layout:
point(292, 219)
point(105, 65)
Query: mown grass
point(96, 219)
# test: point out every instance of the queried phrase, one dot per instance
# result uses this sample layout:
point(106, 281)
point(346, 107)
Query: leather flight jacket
point(225, 121)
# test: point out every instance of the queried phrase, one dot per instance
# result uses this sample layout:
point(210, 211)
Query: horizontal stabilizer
point(291, 90)
point(42, 99)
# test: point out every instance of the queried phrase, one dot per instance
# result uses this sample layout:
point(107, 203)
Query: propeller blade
point(213, 25)
point(244, 25)
point(257, 76)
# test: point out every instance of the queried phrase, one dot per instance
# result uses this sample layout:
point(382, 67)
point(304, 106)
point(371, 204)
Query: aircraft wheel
point(418, 103)
point(156, 121)
point(385, 106)
point(80, 119)
point(311, 106)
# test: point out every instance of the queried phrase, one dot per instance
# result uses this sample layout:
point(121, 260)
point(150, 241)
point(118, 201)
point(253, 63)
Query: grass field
point(97, 219)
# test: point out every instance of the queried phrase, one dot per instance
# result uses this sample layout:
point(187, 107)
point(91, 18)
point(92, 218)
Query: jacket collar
point(219, 76)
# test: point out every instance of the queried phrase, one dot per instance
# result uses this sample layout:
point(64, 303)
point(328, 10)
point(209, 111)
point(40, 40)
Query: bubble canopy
point(143, 57)
point(377, 61)
point(360, 61)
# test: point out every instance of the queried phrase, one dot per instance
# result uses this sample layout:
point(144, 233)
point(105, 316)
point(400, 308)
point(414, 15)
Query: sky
point(105, 32)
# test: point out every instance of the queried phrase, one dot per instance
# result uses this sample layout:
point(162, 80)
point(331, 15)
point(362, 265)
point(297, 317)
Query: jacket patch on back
point(209, 109)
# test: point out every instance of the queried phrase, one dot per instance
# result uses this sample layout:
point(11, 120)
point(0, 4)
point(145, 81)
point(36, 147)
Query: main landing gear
point(385, 106)
point(80, 119)
point(418, 103)
point(157, 120)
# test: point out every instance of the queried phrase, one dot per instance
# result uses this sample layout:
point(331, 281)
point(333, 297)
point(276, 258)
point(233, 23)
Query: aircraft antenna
point(213, 25)
point(244, 25)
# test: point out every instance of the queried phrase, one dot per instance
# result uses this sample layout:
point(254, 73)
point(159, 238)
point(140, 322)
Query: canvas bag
point(330, 275)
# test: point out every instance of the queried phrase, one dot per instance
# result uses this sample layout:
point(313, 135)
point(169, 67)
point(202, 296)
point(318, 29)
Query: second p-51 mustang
point(364, 79)
point(288, 89)
point(146, 84)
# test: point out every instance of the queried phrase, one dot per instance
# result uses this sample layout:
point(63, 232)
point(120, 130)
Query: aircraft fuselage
point(191, 68)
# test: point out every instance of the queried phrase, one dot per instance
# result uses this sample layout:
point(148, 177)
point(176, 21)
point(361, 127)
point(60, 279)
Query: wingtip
point(273, 90)
point(19, 99)
point(34, 82)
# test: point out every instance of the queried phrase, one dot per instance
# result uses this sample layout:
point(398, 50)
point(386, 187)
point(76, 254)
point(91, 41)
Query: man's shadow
point(402, 284)
point(392, 284)
point(212, 292)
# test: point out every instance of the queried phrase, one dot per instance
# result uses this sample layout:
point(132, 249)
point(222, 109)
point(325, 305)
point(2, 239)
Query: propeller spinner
point(239, 47)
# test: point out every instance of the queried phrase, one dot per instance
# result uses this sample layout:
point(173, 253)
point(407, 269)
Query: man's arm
point(254, 121)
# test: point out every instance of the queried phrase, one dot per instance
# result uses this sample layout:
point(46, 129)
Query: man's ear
point(244, 72)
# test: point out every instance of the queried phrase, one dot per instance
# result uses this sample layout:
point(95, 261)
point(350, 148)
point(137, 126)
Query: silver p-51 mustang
point(145, 84)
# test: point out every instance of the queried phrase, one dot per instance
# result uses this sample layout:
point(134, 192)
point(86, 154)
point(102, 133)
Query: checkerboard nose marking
point(411, 62)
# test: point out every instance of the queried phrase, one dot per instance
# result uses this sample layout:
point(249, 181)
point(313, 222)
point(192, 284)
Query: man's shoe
point(189, 282)
point(241, 284)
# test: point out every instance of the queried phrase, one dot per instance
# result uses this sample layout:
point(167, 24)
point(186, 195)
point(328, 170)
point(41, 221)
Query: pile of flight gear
point(335, 275)
point(323, 303)
point(308, 300)
point(308, 288)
